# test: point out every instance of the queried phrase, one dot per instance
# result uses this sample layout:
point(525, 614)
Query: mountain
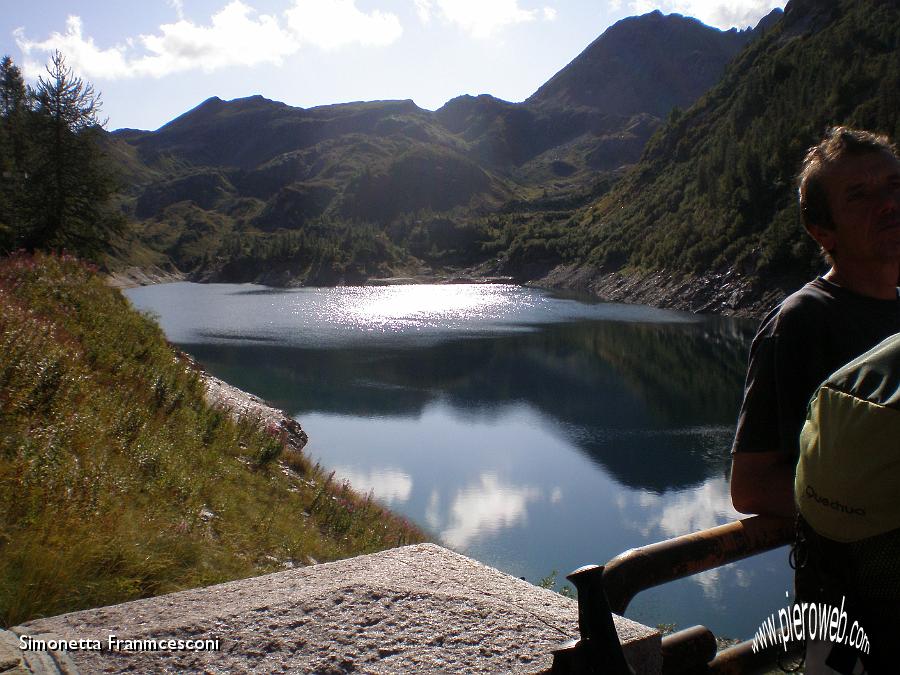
point(647, 64)
point(259, 149)
point(598, 111)
point(707, 219)
point(256, 189)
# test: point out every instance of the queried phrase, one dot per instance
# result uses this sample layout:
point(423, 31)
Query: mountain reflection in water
point(530, 432)
point(631, 396)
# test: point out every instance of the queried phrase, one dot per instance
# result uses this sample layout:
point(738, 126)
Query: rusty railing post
point(599, 650)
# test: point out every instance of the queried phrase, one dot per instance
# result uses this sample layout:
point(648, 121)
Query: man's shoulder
point(806, 308)
point(815, 296)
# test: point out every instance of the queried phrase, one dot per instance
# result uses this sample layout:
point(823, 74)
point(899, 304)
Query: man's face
point(864, 199)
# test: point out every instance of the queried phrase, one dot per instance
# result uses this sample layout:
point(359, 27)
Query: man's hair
point(839, 143)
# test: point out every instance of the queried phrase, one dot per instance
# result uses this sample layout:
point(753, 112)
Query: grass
point(118, 481)
point(549, 582)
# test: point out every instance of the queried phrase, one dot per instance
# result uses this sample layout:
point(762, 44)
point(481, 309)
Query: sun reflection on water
point(391, 308)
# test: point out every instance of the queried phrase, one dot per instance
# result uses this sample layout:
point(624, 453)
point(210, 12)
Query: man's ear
point(824, 237)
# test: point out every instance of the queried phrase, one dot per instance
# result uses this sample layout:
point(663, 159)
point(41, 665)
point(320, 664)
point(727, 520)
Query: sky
point(156, 59)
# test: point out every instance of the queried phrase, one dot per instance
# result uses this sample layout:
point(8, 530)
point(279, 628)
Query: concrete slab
point(35, 659)
point(415, 609)
point(12, 661)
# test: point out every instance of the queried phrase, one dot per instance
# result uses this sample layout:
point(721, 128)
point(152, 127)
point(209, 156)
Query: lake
point(529, 431)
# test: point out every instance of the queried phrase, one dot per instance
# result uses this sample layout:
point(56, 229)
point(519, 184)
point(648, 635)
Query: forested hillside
point(714, 192)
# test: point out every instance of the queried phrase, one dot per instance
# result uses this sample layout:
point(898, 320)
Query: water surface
point(531, 432)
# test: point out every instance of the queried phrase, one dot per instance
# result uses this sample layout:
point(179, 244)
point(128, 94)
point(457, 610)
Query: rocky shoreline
point(726, 293)
point(244, 405)
point(132, 277)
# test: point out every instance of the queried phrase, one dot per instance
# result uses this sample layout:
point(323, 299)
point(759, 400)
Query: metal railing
point(693, 650)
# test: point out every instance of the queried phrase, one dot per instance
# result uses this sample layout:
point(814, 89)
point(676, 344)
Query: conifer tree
point(55, 184)
point(13, 151)
point(70, 184)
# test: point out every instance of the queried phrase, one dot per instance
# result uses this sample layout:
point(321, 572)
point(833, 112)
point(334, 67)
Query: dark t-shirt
point(800, 343)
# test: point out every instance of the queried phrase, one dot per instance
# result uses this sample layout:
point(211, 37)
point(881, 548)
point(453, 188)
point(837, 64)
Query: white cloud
point(423, 9)
point(478, 18)
point(690, 511)
point(235, 36)
point(722, 14)
point(433, 510)
point(178, 6)
point(390, 486)
point(485, 509)
point(81, 53)
point(335, 23)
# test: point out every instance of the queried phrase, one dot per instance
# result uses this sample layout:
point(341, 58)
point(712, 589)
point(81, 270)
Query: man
point(850, 204)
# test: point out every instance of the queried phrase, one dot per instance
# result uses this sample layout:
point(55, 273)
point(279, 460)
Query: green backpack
point(847, 485)
point(847, 490)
